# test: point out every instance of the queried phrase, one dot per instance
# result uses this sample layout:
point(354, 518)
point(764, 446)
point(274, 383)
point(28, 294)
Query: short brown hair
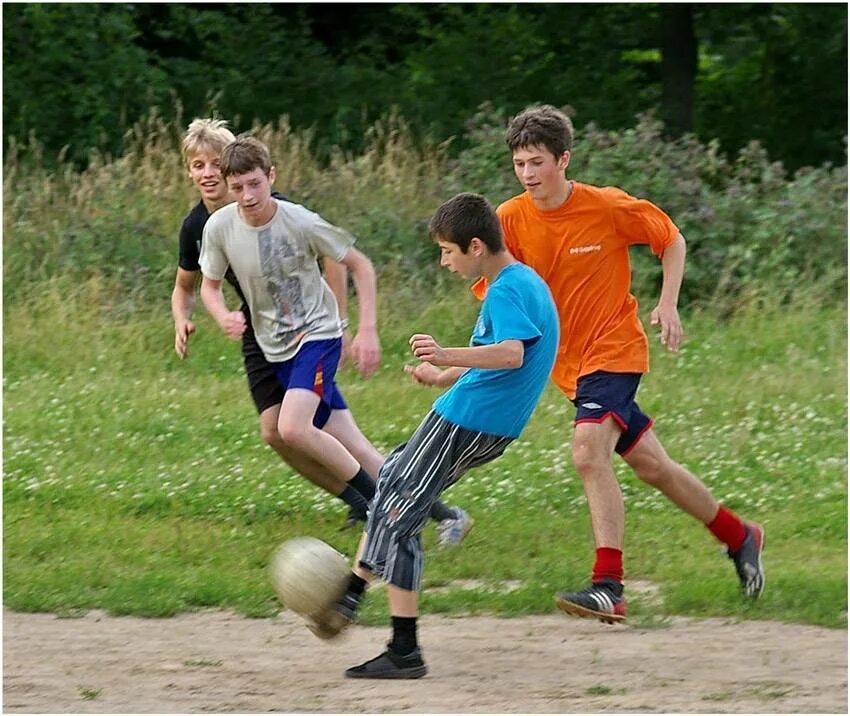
point(540, 125)
point(208, 136)
point(465, 217)
point(245, 154)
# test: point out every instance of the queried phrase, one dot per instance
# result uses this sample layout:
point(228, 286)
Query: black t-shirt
point(191, 236)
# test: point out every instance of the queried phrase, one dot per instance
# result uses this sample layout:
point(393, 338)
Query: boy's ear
point(272, 175)
point(564, 161)
point(476, 246)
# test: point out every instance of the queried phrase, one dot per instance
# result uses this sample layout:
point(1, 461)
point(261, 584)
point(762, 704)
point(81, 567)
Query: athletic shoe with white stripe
point(602, 600)
point(453, 531)
point(748, 561)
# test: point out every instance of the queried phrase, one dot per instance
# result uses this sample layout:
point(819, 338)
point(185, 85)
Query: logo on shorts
point(318, 382)
point(591, 406)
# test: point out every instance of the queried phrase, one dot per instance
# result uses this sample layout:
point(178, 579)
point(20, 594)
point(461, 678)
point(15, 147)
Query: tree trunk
point(678, 67)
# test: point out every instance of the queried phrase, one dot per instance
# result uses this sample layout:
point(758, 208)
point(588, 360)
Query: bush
point(751, 229)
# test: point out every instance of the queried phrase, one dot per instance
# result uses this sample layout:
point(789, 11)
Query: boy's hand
point(182, 331)
point(424, 374)
point(366, 351)
point(234, 325)
point(671, 327)
point(425, 348)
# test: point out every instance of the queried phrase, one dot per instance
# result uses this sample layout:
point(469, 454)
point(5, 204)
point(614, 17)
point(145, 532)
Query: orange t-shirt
point(581, 249)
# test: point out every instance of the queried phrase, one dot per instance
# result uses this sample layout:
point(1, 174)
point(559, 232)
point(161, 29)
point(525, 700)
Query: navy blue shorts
point(314, 368)
point(602, 394)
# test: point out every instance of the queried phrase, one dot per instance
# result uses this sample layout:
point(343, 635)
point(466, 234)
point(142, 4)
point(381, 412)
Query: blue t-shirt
point(518, 306)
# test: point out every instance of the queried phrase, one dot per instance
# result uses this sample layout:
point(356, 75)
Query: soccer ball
point(308, 575)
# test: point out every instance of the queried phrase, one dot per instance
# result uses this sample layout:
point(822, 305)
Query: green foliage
point(77, 75)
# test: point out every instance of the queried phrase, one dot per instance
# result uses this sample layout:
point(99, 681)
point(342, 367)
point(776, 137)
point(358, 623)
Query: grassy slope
point(138, 484)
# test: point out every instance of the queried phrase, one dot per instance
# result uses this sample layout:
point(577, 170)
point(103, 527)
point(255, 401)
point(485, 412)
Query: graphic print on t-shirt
point(278, 261)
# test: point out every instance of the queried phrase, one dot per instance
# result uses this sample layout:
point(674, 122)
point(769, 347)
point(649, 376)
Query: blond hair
point(205, 136)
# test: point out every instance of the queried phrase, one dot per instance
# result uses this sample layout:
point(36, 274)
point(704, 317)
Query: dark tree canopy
point(80, 74)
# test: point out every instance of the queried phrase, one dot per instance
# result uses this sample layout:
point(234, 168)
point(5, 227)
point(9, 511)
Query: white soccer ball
point(308, 575)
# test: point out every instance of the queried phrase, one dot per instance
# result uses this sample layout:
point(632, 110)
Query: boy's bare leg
point(651, 464)
point(295, 425)
point(403, 603)
point(303, 465)
point(593, 450)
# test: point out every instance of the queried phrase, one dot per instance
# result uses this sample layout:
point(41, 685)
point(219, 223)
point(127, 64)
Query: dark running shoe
point(602, 600)
point(390, 665)
point(748, 561)
point(331, 623)
point(355, 519)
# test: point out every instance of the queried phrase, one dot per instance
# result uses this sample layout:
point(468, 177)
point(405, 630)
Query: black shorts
point(601, 395)
point(262, 379)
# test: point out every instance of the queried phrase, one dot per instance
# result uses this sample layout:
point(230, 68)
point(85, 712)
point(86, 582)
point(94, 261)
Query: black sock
point(364, 484)
point(357, 585)
point(354, 499)
point(404, 635)
point(441, 511)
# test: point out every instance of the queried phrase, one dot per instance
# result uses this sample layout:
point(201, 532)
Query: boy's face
point(466, 264)
point(540, 172)
point(205, 174)
point(253, 192)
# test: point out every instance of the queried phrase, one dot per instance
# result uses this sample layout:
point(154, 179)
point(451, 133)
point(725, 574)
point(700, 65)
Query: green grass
point(138, 484)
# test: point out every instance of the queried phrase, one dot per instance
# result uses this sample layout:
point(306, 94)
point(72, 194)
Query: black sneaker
point(748, 561)
point(355, 519)
point(602, 600)
point(336, 619)
point(390, 665)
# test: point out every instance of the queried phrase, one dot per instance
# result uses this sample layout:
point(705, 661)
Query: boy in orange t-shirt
point(577, 237)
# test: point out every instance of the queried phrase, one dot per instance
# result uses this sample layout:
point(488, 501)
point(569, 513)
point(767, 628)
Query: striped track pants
point(411, 480)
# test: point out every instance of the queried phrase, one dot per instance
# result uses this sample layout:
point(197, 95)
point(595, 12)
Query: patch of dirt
point(219, 662)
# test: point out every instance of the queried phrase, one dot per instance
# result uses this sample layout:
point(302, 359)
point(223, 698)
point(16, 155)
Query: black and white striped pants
point(411, 480)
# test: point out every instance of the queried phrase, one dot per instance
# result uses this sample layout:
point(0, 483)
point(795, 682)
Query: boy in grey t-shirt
point(272, 246)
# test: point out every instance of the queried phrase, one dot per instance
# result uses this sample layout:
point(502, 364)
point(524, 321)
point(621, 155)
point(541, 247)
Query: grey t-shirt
point(276, 266)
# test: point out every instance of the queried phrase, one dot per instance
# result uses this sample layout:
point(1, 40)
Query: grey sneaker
point(748, 561)
point(453, 531)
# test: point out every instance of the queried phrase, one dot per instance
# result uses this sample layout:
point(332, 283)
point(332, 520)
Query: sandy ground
point(218, 662)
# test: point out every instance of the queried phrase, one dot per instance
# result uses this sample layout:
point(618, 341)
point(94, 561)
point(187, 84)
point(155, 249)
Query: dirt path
point(217, 662)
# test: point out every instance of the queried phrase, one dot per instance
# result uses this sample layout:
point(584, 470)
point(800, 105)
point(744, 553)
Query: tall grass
point(138, 483)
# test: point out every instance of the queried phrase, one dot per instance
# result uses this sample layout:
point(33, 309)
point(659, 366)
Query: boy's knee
point(588, 461)
point(292, 435)
point(270, 434)
point(654, 470)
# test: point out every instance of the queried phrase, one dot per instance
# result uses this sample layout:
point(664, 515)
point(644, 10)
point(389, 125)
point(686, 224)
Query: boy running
point(495, 385)
point(577, 237)
point(272, 247)
point(202, 145)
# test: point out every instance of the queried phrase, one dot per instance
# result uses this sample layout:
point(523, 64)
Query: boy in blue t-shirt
point(495, 384)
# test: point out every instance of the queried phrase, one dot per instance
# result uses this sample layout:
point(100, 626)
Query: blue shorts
point(602, 394)
point(314, 368)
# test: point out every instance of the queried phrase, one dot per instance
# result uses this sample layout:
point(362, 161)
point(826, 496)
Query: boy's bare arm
point(504, 355)
point(427, 374)
point(666, 313)
point(336, 274)
point(365, 348)
point(231, 322)
point(182, 307)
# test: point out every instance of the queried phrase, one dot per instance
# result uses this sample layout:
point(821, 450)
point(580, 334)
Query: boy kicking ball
point(495, 382)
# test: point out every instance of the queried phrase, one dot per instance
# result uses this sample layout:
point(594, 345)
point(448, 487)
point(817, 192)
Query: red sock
point(609, 564)
point(728, 528)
